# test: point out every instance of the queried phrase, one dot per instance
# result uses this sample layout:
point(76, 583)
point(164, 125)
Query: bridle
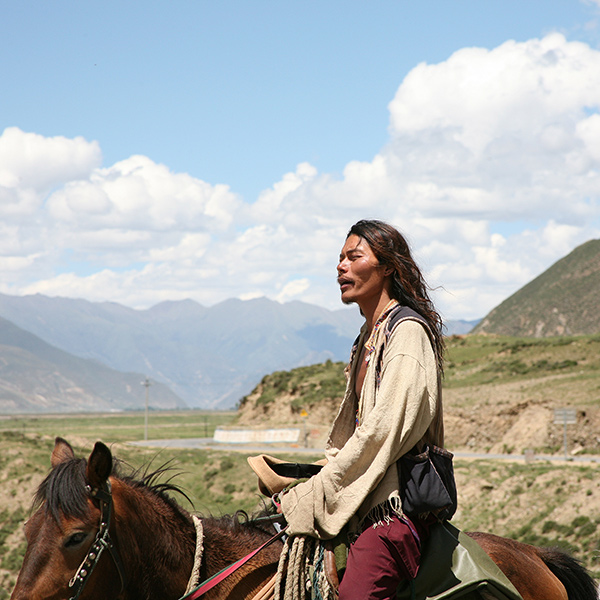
point(102, 542)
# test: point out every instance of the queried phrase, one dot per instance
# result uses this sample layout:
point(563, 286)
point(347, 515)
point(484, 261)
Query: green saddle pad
point(455, 566)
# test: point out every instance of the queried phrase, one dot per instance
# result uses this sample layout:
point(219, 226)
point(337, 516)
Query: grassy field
point(499, 392)
point(120, 427)
point(488, 360)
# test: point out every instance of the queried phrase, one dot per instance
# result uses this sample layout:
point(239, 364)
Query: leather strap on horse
point(211, 582)
point(102, 542)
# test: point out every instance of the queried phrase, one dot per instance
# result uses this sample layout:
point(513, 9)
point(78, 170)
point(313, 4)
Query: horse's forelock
point(63, 491)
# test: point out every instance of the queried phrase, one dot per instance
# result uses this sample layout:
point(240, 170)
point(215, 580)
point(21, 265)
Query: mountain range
point(61, 354)
point(208, 357)
point(38, 377)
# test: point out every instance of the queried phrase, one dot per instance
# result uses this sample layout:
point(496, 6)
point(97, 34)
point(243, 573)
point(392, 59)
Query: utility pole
point(146, 383)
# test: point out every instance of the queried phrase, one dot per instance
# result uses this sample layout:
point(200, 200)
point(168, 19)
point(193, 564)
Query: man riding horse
point(392, 405)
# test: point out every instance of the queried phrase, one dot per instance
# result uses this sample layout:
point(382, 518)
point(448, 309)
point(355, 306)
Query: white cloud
point(270, 204)
point(31, 161)
point(500, 134)
point(588, 130)
point(31, 165)
point(16, 263)
point(479, 97)
point(492, 170)
point(139, 194)
point(558, 239)
point(293, 289)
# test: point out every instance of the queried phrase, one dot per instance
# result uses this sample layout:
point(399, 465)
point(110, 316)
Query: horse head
point(87, 514)
point(63, 529)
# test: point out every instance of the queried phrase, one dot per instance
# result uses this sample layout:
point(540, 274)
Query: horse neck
point(157, 542)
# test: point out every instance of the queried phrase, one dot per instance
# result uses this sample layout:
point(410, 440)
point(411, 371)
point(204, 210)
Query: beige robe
point(361, 475)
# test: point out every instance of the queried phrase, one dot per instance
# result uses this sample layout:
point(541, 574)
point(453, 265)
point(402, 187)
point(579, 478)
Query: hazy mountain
point(37, 377)
point(210, 357)
point(561, 301)
point(459, 327)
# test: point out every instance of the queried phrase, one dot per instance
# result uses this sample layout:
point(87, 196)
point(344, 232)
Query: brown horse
point(150, 543)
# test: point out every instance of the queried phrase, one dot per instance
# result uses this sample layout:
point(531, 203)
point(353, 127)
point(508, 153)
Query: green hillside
point(303, 386)
point(561, 301)
point(500, 394)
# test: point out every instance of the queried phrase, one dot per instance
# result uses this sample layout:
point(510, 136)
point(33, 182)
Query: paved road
point(552, 457)
point(210, 444)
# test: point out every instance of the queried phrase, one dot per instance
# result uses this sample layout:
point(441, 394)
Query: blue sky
point(156, 150)
point(241, 92)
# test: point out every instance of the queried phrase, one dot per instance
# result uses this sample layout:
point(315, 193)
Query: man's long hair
point(408, 285)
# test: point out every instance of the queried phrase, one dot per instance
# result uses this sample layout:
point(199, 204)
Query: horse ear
point(99, 465)
point(62, 452)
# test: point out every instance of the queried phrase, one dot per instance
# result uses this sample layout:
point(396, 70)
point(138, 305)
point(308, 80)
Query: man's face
point(360, 276)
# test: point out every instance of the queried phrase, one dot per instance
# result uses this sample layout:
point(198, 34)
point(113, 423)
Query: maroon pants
point(381, 558)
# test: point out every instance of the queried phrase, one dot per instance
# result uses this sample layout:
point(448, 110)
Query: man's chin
point(348, 301)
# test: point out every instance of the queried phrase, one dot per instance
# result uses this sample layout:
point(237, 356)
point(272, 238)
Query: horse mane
point(64, 490)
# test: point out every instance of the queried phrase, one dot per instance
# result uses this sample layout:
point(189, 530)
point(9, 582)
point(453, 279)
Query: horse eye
point(75, 539)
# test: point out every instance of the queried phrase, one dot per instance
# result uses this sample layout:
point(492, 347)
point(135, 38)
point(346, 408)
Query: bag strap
point(399, 314)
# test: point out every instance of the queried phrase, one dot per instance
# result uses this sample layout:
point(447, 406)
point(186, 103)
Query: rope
point(195, 576)
point(300, 556)
point(281, 568)
point(319, 574)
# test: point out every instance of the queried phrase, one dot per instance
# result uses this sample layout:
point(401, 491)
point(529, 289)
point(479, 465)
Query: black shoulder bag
point(427, 483)
point(426, 478)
